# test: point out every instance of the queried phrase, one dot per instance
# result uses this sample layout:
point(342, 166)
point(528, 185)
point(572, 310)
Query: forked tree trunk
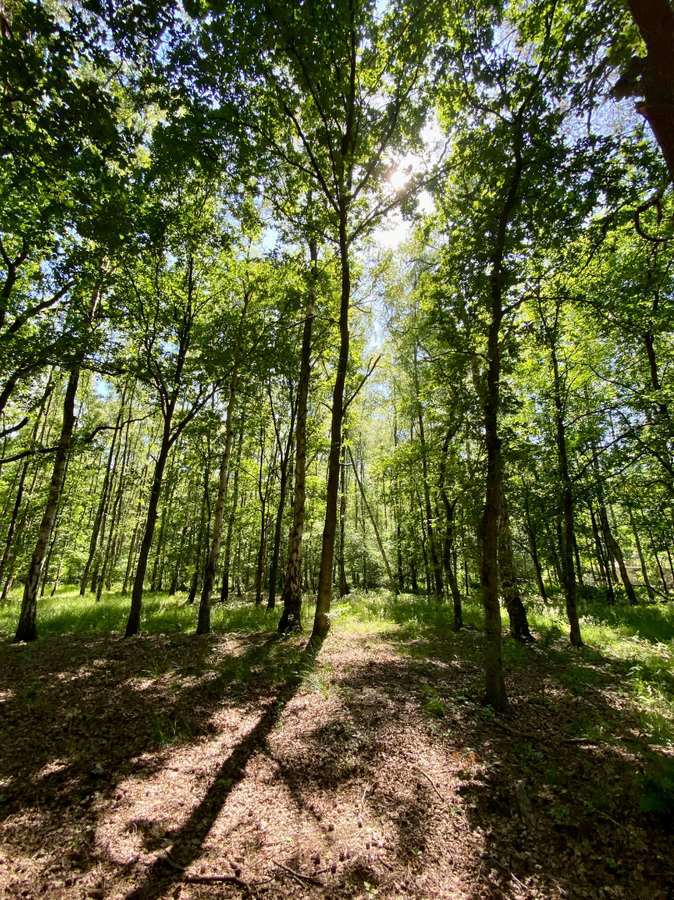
point(27, 628)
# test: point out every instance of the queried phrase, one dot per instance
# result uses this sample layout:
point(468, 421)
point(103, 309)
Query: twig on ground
point(606, 816)
point(433, 784)
point(308, 878)
point(511, 874)
point(164, 857)
point(224, 879)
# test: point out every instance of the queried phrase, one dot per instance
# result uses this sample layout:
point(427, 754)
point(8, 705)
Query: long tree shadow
point(188, 842)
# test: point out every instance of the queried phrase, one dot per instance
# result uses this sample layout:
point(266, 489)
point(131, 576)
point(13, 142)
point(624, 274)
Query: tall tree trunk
point(531, 534)
point(617, 554)
point(568, 574)
point(430, 525)
point(602, 561)
point(343, 583)
point(204, 624)
point(27, 629)
point(640, 552)
point(224, 592)
point(100, 513)
point(324, 597)
point(384, 557)
point(133, 623)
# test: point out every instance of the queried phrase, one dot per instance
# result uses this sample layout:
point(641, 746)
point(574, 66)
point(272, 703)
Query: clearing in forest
point(232, 765)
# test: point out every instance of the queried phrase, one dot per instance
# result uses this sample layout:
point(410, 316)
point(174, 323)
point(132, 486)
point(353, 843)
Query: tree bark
point(384, 557)
point(204, 623)
point(568, 574)
point(324, 597)
point(519, 624)
point(618, 556)
point(655, 21)
point(27, 629)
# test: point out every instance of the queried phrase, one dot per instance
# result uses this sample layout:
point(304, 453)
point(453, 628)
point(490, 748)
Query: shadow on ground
point(374, 771)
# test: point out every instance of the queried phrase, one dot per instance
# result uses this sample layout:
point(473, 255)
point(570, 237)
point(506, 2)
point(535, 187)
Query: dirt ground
point(177, 766)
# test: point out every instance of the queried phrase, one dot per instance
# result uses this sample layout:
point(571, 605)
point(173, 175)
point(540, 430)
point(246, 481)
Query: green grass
point(68, 613)
point(634, 643)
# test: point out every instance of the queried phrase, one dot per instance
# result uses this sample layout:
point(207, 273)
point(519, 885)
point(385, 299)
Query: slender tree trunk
point(642, 561)
point(616, 552)
point(98, 520)
point(568, 574)
point(430, 525)
point(133, 623)
point(323, 600)
point(343, 583)
point(283, 489)
point(204, 624)
point(531, 534)
point(224, 593)
point(602, 561)
point(384, 557)
point(27, 629)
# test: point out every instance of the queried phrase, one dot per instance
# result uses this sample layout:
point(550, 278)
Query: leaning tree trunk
point(292, 586)
point(617, 554)
point(27, 630)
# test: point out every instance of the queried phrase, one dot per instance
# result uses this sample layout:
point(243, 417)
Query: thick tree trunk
point(495, 684)
point(27, 629)
point(655, 21)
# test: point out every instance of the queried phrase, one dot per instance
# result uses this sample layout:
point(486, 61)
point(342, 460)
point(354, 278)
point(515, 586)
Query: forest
point(337, 449)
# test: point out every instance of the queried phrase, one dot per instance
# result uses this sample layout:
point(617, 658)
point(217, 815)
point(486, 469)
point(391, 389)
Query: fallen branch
point(606, 816)
point(433, 785)
point(299, 876)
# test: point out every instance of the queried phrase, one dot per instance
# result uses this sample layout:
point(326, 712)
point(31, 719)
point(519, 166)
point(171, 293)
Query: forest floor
point(234, 765)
